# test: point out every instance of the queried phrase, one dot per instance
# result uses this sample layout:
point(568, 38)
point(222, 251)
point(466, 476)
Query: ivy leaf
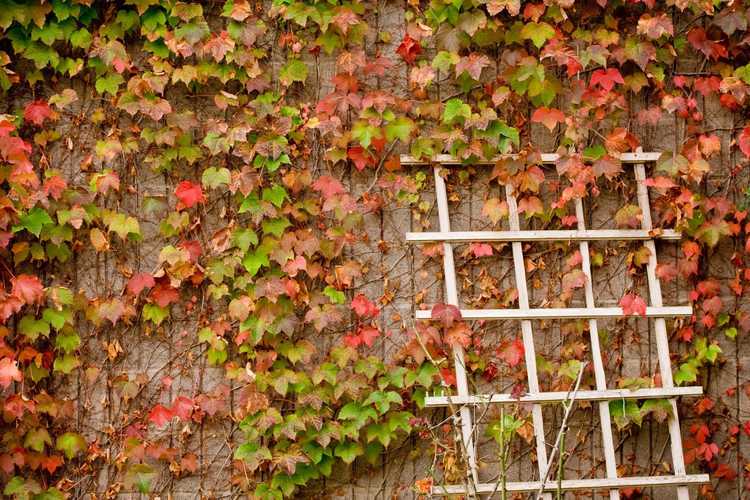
point(275, 194)
point(549, 117)
point(743, 140)
point(253, 261)
point(293, 71)
point(276, 226)
point(36, 439)
point(632, 304)
point(33, 221)
point(363, 132)
point(37, 112)
point(160, 415)
point(71, 444)
point(138, 282)
point(336, 296)
point(348, 451)
point(328, 186)
point(9, 372)
point(189, 194)
point(629, 216)
point(625, 412)
point(28, 288)
point(456, 111)
point(214, 177)
point(687, 372)
point(512, 352)
point(109, 84)
point(495, 209)
point(400, 129)
point(606, 78)
point(409, 49)
point(538, 33)
point(446, 314)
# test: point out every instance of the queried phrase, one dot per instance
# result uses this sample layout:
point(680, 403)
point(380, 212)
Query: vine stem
point(568, 404)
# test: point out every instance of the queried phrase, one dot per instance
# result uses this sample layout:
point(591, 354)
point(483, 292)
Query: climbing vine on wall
point(202, 150)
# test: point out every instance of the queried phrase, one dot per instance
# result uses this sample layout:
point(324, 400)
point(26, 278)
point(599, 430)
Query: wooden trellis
point(465, 402)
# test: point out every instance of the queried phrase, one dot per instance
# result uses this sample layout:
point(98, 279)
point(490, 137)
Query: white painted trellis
point(465, 402)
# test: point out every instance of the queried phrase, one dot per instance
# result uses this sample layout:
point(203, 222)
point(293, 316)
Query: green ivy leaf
point(253, 261)
point(336, 296)
point(456, 111)
point(155, 314)
point(109, 84)
point(348, 451)
point(214, 177)
point(275, 194)
point(71, 444)
point(400, 128)
point(538, 33)
point(276, 226)
point(293, 71)
point(66, 363)
point(33, 221)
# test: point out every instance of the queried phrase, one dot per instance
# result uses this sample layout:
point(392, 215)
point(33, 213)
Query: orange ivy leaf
point(549, 117)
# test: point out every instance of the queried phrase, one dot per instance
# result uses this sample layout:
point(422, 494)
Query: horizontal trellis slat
point(551, 235)
point(577, 484)
point(546, 158)
point(564, 313)
point(560, 396)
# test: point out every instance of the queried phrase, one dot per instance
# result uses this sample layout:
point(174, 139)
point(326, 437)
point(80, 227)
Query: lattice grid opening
point(464, 401)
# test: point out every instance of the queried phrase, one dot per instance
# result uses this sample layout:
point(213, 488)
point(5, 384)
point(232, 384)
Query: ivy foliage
point(228, 105)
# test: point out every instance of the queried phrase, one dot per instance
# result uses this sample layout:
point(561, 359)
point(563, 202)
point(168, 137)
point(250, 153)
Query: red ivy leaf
point(182, 407)
point(481, 249)
point(409, 49)
point(511, 352)
point(606, 79)
point(189, 194)
point(36, 112)
point(160, 415)
point(446, 314)
point(632, 304)
point(364, 307)
point(361, 157)
point(365, 335)
point(328, 186)
point(9, 371)
point(138, 282)
point(28, 288)
point(700, 41)
point(744, 141)
point(164, 295)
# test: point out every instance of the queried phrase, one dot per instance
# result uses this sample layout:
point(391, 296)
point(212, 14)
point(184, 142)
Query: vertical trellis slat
point(660, 329)
point(608, 445)
point(528, 335)
point(451, 295)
